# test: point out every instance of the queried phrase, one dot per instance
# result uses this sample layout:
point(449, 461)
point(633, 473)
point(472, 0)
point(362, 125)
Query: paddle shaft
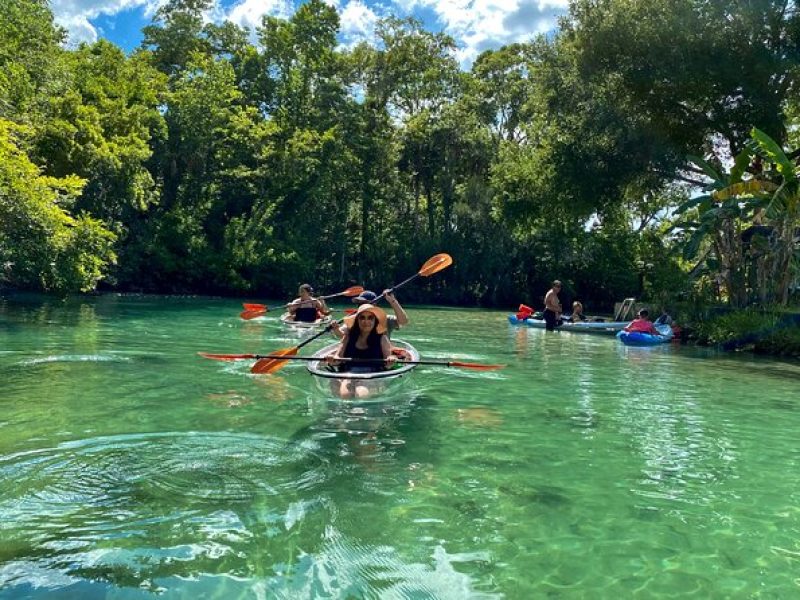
point(265, 308)
point(444, 363)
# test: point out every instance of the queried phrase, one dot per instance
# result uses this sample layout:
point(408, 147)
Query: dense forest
point(642, 149)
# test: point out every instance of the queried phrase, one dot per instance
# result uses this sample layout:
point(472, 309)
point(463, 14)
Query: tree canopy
point(213, 161)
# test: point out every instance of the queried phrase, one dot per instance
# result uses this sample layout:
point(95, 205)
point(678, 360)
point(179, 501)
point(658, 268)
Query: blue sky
point(476, 25)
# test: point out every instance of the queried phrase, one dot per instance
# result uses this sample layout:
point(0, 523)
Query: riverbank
point(763, 332)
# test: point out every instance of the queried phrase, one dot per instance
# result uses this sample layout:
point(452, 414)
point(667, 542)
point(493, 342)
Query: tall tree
point(704, 71)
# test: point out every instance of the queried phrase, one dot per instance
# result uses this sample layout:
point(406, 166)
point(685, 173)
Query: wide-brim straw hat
point(380, 326)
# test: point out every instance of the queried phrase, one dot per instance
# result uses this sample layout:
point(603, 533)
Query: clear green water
point(131, 467)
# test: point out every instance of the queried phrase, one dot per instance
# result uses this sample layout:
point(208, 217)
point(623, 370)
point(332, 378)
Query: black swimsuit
point(372, 351)
point(306, 314)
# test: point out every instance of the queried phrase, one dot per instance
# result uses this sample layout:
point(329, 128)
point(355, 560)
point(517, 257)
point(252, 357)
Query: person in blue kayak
point(306, 308)
point(552, 307)
point(366, 344)
point(642, 324)
point(393, 322)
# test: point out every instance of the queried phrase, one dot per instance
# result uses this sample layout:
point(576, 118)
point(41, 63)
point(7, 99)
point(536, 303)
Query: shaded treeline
point(206, 162)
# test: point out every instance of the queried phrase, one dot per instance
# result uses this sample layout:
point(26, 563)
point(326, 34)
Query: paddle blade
point(251, 306)
point(435, 264)
point(352, 292)
point(475, 366)
point(252, 314)
point(226, 356)
point(349, 292)
point(264, 366)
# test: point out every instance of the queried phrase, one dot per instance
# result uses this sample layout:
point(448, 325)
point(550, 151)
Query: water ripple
point(109, 471)
point(73, 358)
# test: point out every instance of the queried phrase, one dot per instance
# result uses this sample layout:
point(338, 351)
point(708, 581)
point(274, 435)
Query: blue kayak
point(637, 338)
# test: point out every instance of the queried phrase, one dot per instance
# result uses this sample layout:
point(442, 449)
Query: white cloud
point(74, 15)
point(357, 22)
point(248, 13)
point(478, 25)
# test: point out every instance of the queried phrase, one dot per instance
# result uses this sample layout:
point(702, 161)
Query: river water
point(129, 466)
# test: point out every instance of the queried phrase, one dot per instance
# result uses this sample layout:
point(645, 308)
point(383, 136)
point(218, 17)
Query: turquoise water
point(131, 468)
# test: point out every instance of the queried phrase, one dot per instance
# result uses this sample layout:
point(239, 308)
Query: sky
point(476, 25)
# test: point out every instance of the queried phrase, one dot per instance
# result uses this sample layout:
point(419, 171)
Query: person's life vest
point(306, 314)
point(640, 326)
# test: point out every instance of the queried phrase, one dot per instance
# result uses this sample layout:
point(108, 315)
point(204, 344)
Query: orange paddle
point(270, 365)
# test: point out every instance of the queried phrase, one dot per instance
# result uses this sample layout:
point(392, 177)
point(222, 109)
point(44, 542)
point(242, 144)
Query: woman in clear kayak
point(366, 346)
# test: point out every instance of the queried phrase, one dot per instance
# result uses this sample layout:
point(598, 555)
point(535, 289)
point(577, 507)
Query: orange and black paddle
point(276, 360)
point(251, 311)
point(281, 358)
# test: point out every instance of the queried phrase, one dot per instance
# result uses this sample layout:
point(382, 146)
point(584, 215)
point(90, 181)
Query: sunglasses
point(366, 317)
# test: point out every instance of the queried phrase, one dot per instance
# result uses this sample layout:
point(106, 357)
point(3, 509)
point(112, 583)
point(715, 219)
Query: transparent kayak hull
point(374, 382)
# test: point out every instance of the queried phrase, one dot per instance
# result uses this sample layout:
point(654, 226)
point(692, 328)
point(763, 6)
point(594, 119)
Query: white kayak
point(374, 381)
point(288, 321)
point(609, 327)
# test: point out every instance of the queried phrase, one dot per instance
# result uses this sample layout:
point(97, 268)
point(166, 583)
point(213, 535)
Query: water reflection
point(682, 452)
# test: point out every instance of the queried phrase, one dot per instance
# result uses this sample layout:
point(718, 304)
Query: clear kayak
point(638, 338)
point(373, 381)
point(609, 327)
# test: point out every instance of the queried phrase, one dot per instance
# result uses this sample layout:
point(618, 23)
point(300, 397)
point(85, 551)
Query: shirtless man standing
point(552, 306)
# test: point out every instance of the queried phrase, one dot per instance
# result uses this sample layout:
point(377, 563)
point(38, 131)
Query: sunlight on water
point(584, 469)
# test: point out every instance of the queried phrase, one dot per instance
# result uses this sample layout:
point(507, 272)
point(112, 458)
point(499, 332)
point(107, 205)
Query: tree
point(703, 71)
point(763, 179)
point(781, 185)
point(102, 130)
point(30, 53)
point(42, 246)
point(176, 34)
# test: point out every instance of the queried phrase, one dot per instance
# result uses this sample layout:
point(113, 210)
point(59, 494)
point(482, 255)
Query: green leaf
point(740, 164)
point(750, 187)
point(772, 151)
point(690, 204)
point(708, 169)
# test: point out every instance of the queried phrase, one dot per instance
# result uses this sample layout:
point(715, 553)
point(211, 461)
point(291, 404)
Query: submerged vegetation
point(205, 162)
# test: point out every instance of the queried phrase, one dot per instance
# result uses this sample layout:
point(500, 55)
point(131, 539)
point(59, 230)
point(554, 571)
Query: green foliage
point(29, 58)
point(763, 331)
point(102, 130)
point(176, 34)
point(697, 69)
point(753, 267)
point(41, 245)
point(740, 325)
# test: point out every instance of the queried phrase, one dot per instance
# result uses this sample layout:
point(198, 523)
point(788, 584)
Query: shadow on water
point(369, 429)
